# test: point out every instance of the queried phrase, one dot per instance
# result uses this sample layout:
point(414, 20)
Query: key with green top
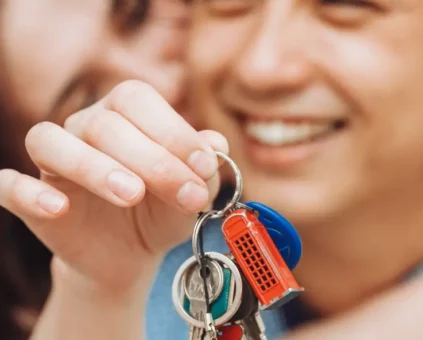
point(195, 291)
point(225, 298)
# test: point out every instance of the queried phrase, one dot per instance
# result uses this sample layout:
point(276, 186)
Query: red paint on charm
point(259, 259)
point(233, 332)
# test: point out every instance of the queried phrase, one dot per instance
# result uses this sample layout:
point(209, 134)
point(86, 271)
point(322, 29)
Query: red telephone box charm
point(259, 259)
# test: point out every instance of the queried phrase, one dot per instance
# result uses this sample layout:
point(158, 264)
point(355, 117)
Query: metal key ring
point(196, 233)
point(238, 187)
point(230, 312)
point(218, 213)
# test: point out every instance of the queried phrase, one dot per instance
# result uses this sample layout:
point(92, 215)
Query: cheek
point(381, 77)
point(215, 45)
point(212, 51)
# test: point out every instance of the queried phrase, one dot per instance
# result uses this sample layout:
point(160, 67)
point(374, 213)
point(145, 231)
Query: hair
point(24, 261)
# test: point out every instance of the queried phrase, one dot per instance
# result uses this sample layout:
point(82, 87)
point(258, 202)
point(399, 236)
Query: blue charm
point(282, 232)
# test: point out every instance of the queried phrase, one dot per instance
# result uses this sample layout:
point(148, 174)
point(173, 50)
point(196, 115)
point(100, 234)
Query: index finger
point(140, 104)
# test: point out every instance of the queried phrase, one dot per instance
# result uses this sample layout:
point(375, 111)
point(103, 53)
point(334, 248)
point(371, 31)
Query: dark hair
point(24, 261)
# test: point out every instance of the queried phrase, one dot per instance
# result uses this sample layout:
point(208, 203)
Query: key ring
point(213, 214)
point(230, 312)
point(238, 187)
point(195, 235)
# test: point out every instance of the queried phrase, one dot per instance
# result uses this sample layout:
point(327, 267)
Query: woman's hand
point(120, 185)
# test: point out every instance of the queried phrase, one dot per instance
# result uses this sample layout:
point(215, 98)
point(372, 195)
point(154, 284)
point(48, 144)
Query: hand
point(120, 185)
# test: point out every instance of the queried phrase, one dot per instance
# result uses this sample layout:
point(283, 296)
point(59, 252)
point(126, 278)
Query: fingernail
point(123, 185)
point(192, 197)
point(50, 202)
point(203, 163)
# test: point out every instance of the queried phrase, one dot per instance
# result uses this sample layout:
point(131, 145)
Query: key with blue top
point(282, 232)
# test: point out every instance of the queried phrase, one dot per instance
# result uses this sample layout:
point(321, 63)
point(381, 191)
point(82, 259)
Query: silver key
point(249, 304)
point(209, 331)
point(251, 320)
point(194, 284)
point(229, 294)
point(194, 290)
point(178, 295)
point(196, 333)
point(253, 327)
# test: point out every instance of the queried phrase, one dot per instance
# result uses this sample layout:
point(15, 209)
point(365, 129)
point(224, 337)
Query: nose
point(275, 58)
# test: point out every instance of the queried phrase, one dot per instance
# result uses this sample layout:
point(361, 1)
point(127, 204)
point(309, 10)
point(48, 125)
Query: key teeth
point(254, 327)
point(210, 328)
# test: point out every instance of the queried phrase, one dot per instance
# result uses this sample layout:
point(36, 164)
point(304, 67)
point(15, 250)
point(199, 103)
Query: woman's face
point(60, 56)
point(321, 100)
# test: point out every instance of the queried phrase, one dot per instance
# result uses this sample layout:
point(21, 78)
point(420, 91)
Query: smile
point(280, 133)
point(281, 142)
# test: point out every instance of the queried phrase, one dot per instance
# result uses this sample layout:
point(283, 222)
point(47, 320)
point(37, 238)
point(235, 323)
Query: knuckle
point(129, 89)
point(216, 140)
point(170, 140)
point(8, 178)
point(72, 121)
point(98, 126)
point(37, 137)
point(17, 183)
point(162, 168)
point(8, 174)
point(80, 168)
point(38, 133)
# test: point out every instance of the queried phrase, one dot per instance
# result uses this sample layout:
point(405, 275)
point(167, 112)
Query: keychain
point(221, 296)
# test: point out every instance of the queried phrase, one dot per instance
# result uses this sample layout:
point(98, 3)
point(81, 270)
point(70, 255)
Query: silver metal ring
point(178, 299)
point(196, 233)
point(218, 213)
point(238, 186)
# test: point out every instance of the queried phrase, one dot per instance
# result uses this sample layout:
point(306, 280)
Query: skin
point(107, 241)
point(93, 43)
point(132, 209)
point(48, 45)
point(355, 194)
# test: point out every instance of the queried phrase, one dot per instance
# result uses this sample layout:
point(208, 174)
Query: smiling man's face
point(321, 100)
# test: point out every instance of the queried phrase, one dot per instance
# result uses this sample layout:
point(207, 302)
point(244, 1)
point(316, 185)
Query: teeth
point(279, 133)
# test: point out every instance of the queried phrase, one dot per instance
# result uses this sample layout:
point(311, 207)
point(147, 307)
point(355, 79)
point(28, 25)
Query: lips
point(287, 131)
point(287, 140)
point(280, 133)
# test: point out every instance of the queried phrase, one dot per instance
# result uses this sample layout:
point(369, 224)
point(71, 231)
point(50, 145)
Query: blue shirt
point(163, 322)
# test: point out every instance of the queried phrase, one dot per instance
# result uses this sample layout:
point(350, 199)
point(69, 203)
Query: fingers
point(118, 154)
point(114, 171)
point(164, 174)
point(57, 151)
point(141, 105)
point(145, 135)
point(30, 198)
point(216, 141)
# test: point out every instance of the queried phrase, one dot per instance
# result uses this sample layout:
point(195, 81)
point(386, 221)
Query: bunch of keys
point(221, 296)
